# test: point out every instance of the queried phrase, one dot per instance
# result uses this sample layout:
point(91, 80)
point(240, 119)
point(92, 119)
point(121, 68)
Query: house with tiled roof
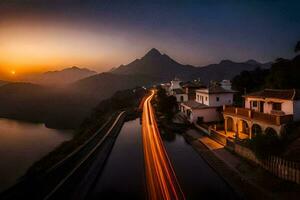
point(191, 87)
point(208, 102)
point(174, 88)
point(264, 112)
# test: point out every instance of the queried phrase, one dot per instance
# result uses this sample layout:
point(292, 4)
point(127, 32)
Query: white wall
point(286, 105)
point(247, 102)
point(211, 99)
point(178, 97)
point(224, 99)
point(208, 114)
point(204, 100)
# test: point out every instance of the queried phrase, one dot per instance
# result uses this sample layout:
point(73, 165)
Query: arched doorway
point(243, 130)
point(244, 127)
point(270, 131)
point(256, 130)
point(230, 124)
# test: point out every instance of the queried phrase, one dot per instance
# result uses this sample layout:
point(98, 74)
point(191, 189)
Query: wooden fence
point(283, 169)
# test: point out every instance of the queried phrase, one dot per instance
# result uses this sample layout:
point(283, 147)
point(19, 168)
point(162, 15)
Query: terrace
point(248, 114)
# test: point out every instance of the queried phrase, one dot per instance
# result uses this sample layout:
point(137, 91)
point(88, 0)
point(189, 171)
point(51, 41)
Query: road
point(160, 176)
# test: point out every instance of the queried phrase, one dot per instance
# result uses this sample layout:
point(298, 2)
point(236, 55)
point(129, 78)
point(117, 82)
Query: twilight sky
point(40, 35)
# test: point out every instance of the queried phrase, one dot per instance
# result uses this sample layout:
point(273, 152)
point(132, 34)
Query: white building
point(208, 104)
point(266, 111)
point(180, 95)
point(175, 84)
point(176, 90)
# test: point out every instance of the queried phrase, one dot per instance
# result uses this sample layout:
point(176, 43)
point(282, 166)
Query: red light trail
point(160, 175)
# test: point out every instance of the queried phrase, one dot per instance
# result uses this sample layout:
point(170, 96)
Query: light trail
point(160, 176)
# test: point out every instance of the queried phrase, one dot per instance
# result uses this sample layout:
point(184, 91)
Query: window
point(254, 104)
point(181, 98)
point(205, 98)
point(218, 99)
point(276, 106)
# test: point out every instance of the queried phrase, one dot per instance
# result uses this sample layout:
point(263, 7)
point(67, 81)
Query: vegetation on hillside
point(123, 100)
point(283, 74)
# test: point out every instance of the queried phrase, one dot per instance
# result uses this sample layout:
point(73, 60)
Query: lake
point(22, 144)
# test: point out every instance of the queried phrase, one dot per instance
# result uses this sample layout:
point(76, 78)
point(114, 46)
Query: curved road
point(160, 177)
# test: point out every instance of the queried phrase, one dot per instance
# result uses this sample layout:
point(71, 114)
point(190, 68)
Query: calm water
point(197, 179)
point(123, 175)
point(21, 144)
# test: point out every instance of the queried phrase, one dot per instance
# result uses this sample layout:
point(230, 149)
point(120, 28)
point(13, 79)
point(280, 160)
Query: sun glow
point(13, 72)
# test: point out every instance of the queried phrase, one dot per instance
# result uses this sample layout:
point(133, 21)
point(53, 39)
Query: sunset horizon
point(150, 99)
point(95, 38)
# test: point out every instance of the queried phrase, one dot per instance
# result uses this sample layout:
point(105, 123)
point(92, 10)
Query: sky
point(42, 35)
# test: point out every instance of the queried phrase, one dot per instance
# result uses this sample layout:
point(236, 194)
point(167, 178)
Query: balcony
point(258, 116)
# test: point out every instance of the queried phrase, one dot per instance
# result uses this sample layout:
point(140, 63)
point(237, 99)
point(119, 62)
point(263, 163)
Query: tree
point(166, 104)
point(266, 144)
point(297, 47)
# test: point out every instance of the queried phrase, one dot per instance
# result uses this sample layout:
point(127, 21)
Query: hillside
point(104, 85)
point(3, 82)
point(35, 103)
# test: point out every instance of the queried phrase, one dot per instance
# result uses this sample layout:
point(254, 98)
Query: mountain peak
point(252, 62)
point(75, 68)
point(153, 53)
point(226, 61)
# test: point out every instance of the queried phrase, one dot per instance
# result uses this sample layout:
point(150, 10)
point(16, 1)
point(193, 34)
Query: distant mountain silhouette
point(226, 69)
point(162, 66)
point(67, 107)
point(3, 82)
point(63, 77)
point(157, 65)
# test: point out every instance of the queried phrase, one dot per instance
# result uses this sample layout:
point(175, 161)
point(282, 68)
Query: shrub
point(264, 145)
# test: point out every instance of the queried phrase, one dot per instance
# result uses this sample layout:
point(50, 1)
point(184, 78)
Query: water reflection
point(168, 136)
point(21, 144)
point(123, 174)
point(198, 180)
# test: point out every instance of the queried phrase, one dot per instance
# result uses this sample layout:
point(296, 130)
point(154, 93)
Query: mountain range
point(164, 68)
point(59, 78)
point(154, 68)
point(83, 89)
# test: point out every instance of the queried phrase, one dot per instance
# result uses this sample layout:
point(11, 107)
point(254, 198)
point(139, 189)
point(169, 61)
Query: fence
point(281, 168)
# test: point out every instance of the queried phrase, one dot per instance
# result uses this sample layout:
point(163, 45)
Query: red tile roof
point(288, 94)
point(216, 89)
